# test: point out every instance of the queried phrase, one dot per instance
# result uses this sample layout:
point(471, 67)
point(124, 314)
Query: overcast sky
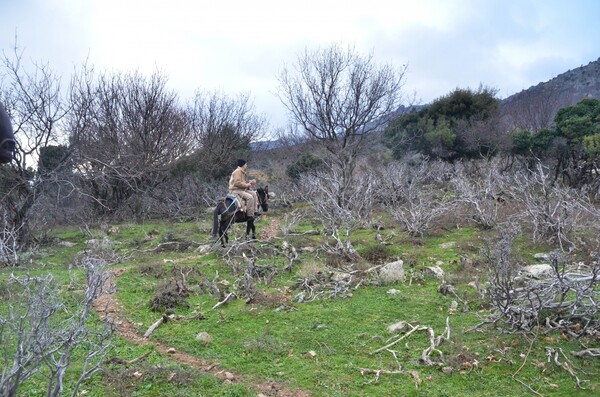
point(239, 46)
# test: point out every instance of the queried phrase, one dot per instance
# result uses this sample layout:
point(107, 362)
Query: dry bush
point(416, 195)
point(480, 186)
point(170, 294)
point(340, 209)
point(39, 333)
point(564, 298)
point(555, 211)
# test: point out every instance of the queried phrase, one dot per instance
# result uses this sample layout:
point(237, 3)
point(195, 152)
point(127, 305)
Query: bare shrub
point(8, 242)
point(415, 194)
point(481, 189)
point(40, 333)
point(503, 265)
point(340, 210)
point(170, 294)
point(554, 211)
point(565, 298)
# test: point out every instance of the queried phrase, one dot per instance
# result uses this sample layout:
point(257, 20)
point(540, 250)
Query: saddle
point(237, 201)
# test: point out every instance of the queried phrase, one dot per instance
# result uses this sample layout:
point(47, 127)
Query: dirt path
point(108, 307)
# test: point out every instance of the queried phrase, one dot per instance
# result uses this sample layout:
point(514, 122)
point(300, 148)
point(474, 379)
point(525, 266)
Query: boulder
point(435, 271)
point(542, 270)
point(393, 272)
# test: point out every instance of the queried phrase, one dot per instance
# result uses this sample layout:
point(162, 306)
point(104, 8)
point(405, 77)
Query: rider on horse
point(240, 186)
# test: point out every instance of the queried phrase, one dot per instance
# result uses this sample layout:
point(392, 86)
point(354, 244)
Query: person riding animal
point(241, 187)
point(7, 138)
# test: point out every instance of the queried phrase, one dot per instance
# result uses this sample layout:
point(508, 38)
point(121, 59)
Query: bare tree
point(337, 97)
point(222, 129)
point(125, 132)
point(32, 97)
point(533, 111)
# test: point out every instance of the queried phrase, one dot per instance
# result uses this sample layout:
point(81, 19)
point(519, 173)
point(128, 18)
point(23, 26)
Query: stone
point(542, 270)
point(397, 327)
point(340, 276)
point(435, 271)
point(393, 272)
point(542, 257)
point(450, 244)
point(204, 337)
point(203, 249)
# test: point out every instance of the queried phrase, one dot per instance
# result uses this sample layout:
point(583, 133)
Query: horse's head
point(263, 197)
point(7, 139)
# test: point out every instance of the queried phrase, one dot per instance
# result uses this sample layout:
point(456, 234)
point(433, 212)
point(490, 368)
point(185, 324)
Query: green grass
point(319, 346)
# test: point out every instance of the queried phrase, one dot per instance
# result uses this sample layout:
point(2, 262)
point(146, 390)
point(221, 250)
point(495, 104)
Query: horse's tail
point(215, 228)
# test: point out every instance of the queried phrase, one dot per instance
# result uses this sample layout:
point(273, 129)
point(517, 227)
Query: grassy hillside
point(279, 316)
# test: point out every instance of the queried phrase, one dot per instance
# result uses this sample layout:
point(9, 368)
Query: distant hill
point(572, 86)
point(536, 107)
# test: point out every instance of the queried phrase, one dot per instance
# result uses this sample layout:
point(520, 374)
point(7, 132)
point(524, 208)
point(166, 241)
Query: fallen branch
point(307, 233)
point(413, 330)
point(567, 365)
point(514, 375)
point(378, 372)
point(157, 324)
point(119, 360)
point(171, 317)
point(594, 352)
point(227, 298)
point(434, 341)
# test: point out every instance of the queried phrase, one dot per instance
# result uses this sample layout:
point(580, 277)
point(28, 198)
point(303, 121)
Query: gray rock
point(340, 276)
point(203, 249)
point(204, 337)
point(435, 271)
point(397, 327)
point(537, 271)
point(393, 272)
point(542, 257)
point(450, 244)
point(104, 244)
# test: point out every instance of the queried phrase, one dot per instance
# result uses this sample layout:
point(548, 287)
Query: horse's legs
point(223, 237)
point(251, 228)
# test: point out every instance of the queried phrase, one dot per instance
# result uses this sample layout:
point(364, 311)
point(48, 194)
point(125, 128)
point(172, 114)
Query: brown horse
point(7, 139)
point(226, 214)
